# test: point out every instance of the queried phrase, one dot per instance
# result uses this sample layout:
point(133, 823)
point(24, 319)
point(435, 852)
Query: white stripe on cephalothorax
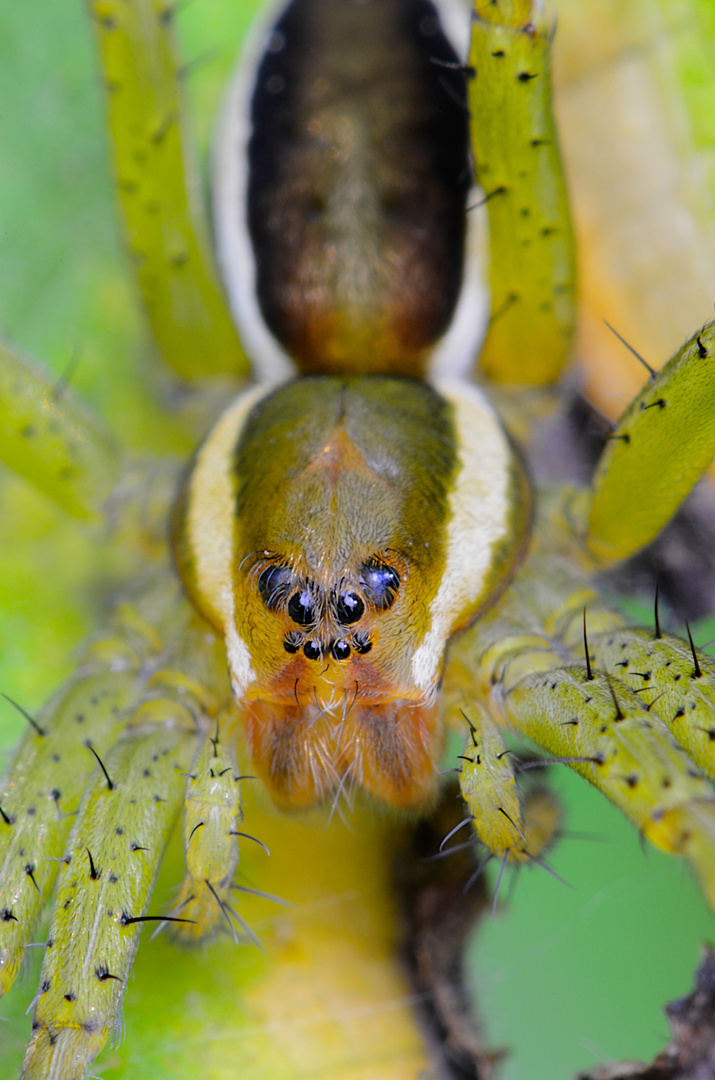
point(477, 521)
point(237, 651)
point(210, 529)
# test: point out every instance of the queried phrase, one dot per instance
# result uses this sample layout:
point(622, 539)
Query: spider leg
point(516, 826)
point(517, 161)
point(660, 447)
point(113, 855)
point(211, 820)
point(626, 752)
point(488, 785)
point(166, 233)
point(51, 440)
point(672, 679)
point(121, 829)
point(529, 672)
point(42, 787)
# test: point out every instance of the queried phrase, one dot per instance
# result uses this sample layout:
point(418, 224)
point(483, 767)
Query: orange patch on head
point(337, 455)
point(306, 754)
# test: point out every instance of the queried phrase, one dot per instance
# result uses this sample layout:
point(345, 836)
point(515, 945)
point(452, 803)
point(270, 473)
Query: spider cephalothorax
point(337, 595)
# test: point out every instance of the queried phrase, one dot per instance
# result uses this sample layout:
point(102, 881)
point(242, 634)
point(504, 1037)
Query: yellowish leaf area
point(642, 180)
point(631, 108)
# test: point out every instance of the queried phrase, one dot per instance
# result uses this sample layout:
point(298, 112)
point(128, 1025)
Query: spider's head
point(338, 531)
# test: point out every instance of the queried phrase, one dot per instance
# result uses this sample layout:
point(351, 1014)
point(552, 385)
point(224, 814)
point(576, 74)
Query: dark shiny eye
point(301, 607)
point(362, 643)
point(349, 608)
point(292, 641)
point(273, 584)
point(380, 583)
point(340, 650)
point(312, 650)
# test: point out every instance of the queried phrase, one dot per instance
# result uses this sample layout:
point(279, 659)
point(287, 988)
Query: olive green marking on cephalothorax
point(359, 472)
point(518, 165)
point(101, 902)
point(351, 465)
point(358, 176)
point(673, 683)
point(669, 447)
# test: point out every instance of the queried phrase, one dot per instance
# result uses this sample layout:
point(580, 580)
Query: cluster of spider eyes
point(307, 605)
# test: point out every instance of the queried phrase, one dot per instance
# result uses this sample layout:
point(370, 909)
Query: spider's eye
point(362, 643)
point(380, 583)
point(292, 641)
point(272, 584)
point(312, 650)
point(340, 650)
point(349, 608)
point(302, 608)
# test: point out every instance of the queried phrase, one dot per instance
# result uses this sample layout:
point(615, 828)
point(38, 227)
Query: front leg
point(543, 686)
point(515, 823)
point(621, 746)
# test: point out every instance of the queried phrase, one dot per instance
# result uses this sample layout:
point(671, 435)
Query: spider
point(294, 597)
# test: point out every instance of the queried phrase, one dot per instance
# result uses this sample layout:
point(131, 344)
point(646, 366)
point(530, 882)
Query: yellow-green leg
point(50, 439)
point(130, 724)
point(157, 186)
point(540, 685)
point(658, 450)
point(518, 165)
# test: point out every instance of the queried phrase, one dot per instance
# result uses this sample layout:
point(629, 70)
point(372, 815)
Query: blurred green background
point(567, 977)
